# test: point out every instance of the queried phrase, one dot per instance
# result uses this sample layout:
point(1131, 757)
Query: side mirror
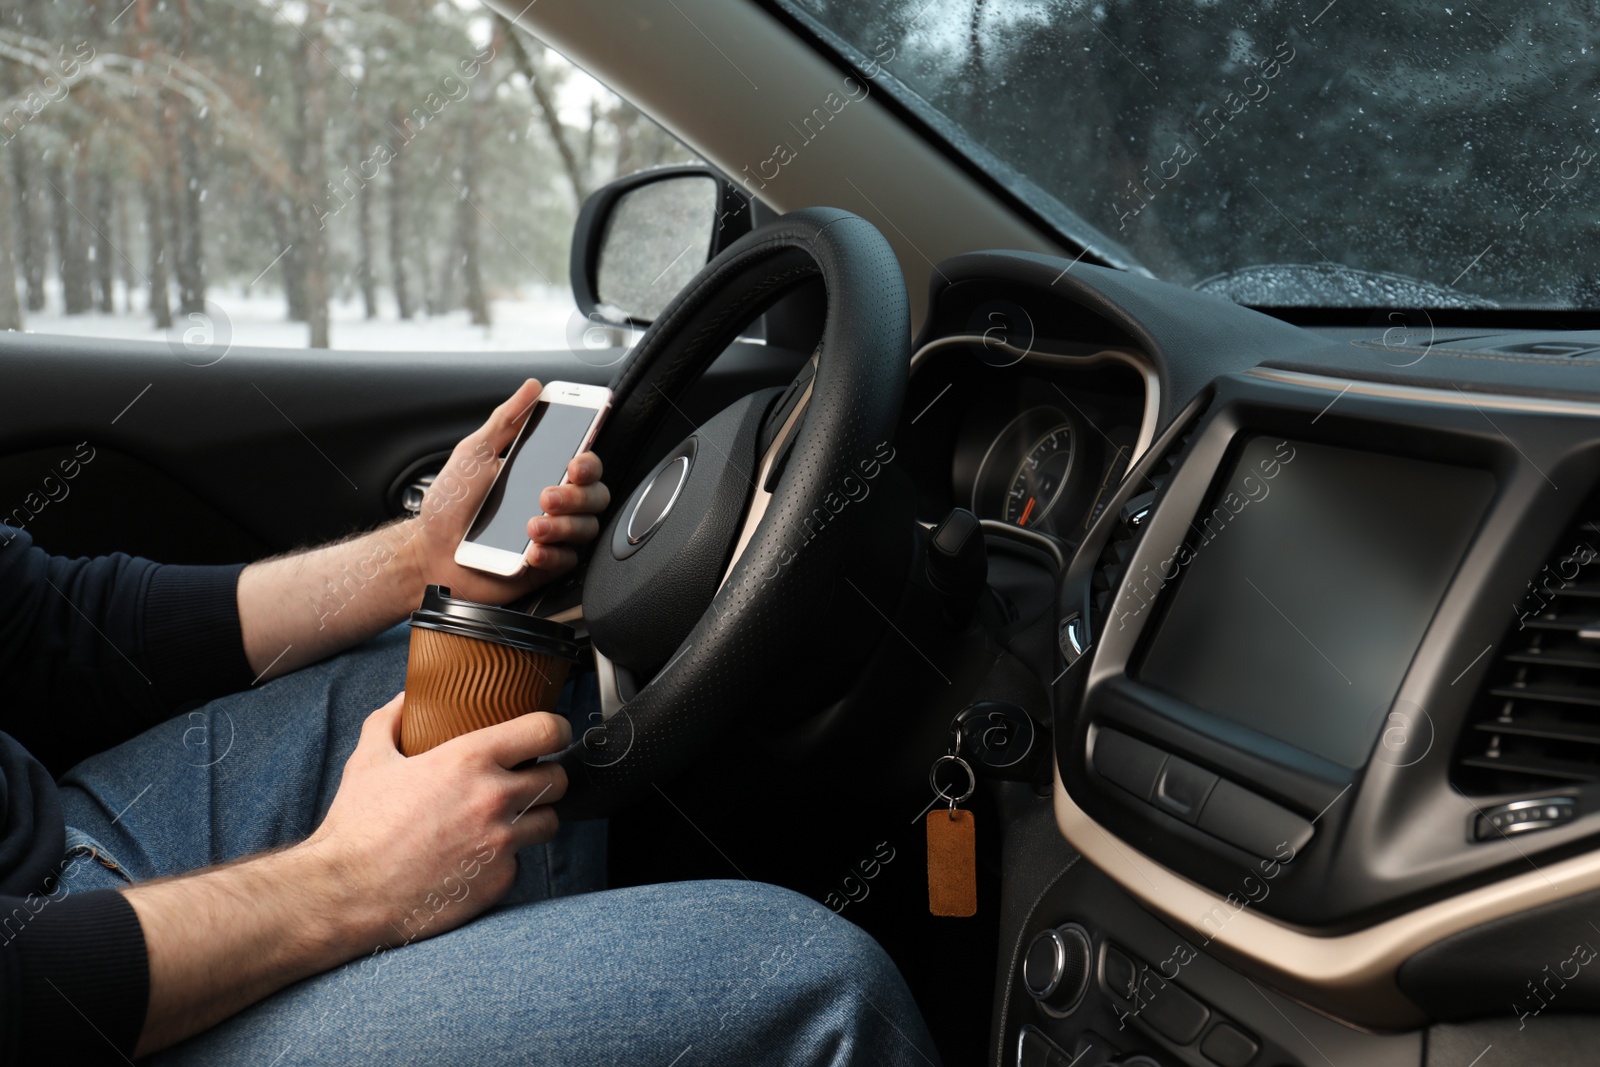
point(641, 238)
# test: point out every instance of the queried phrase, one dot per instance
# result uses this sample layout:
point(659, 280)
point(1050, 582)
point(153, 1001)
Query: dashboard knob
point(1055, 969)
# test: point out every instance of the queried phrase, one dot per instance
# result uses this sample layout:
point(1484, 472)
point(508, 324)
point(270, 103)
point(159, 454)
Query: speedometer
point(1038, 479)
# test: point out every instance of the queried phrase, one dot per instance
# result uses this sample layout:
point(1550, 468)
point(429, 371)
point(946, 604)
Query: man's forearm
point(220, 940)
point(298, 609)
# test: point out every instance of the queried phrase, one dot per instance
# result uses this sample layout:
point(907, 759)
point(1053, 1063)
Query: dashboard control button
point(1253, 823)
point(1055, 970)
point(1036, 1050)
point(1073, 637)
point(1182, 787)
point(1041, 967)
point(1127, 761)
point(1119, 973)
point(1171, 1012)
point(1229, 1046)
point(1137, 509)
point(1092, 1050)
point(954, 530)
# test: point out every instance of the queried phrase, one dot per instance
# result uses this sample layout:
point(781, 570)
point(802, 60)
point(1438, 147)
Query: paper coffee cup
point(474, 665)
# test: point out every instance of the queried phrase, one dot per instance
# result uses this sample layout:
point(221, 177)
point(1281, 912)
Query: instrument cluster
point(1042, 454)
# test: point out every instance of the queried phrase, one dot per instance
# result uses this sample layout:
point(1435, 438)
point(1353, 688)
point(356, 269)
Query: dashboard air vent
point(1548, 344)
point(1536, 722)
point(1570, 349)
point(1124, 539)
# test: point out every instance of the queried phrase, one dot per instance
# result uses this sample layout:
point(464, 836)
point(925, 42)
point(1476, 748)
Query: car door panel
point(265, 449)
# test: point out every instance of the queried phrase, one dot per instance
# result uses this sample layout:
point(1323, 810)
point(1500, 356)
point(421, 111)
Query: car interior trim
point(1348, 976)
point(1425, 395)
point(763, 496)
point(1046, 357)
point(609, 684)
point(569, 616)
point(1048, 545)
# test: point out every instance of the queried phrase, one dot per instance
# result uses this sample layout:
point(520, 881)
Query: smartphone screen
point(538, 459)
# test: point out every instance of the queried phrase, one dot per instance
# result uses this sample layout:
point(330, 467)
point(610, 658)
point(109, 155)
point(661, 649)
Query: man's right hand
point(409, 848)
point(428, 842)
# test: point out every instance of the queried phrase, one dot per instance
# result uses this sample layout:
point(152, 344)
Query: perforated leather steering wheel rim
point(770, 614)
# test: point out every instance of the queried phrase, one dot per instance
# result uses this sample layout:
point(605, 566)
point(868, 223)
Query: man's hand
point(569, 517)
point(296, 609)
point(409, 848)
point(428, 842)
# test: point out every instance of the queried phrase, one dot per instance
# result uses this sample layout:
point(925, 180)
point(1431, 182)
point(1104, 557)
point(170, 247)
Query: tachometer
point(1038, 479)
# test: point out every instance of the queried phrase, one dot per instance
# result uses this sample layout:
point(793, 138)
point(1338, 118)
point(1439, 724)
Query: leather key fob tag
point(952, 863)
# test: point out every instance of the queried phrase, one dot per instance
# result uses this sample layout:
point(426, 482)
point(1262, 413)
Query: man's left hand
point(452, 501)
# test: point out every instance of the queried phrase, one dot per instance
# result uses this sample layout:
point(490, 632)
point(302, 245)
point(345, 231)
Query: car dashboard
point(1334, 799)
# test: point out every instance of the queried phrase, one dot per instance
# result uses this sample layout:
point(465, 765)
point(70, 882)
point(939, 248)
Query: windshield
point(1339, 154)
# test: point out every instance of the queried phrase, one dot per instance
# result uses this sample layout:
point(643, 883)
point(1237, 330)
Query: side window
point(396, 175)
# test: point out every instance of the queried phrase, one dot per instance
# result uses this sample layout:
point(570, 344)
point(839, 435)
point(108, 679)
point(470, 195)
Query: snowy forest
point(360, 172)
point(398, 159)
point(1408, 153)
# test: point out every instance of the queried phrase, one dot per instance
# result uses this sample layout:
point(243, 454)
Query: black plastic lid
point(486, 622)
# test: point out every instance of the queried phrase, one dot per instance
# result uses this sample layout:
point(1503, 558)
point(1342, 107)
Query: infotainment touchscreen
point(1305, 587)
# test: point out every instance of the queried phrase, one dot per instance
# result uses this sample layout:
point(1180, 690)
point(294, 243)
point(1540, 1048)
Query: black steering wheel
point(717, 575)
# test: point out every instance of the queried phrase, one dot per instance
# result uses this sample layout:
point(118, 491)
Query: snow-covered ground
point(539, 318)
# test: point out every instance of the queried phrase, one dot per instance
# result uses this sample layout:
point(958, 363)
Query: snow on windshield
point(1349, 146)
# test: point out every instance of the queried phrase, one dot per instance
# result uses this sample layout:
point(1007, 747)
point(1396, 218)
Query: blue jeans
point(559, 972)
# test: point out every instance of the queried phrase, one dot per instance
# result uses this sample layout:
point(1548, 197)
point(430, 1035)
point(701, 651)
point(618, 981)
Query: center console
point(1280, 638)
point(1297, 637)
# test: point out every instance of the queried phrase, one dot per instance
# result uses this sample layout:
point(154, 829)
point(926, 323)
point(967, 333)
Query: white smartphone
point(563, 422)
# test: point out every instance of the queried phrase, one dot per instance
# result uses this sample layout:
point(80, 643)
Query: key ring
point(933, 776)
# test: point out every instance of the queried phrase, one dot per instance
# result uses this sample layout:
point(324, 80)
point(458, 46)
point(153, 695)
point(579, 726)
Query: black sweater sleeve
point(93, 651)
point(74, 978)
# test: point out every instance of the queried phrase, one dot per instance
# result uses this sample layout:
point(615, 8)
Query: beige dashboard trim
point(761, 498)
point(1348, 976)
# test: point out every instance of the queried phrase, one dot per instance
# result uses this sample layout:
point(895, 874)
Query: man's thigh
point(248, 772)
point(697, 972)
